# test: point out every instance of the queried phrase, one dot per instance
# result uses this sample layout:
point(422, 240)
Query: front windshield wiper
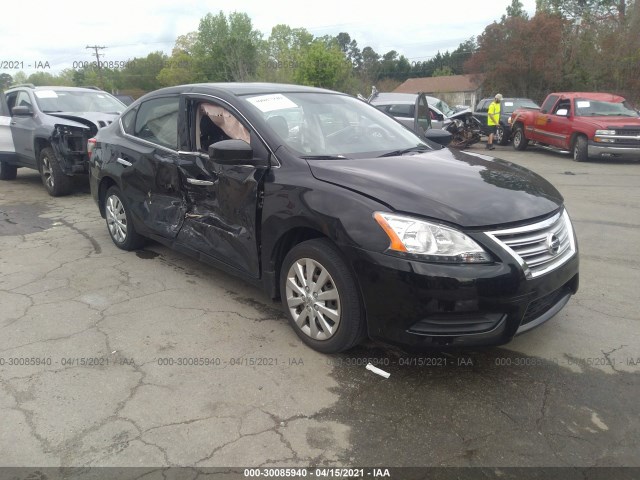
point(324, 157)
point(394, 153)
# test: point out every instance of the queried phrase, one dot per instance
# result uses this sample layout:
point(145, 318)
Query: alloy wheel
point(46, 172)
point(116, 219)
point(313, 299)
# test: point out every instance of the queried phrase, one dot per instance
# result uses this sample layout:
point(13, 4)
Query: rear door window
point(157, 121)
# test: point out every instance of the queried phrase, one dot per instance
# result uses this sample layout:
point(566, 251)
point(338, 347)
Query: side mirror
point(22, 111)
point(231, 152)
point(563, 112)
point(439, 136)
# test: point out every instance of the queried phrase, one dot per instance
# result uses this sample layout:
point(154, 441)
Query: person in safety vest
point(493, 120)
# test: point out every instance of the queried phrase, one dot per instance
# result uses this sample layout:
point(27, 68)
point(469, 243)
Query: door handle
point(13, 123)
point(124, 162)
point(195, 181)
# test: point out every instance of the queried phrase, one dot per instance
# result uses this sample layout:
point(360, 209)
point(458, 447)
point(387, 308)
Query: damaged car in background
point(47, 128)
point(357, 224)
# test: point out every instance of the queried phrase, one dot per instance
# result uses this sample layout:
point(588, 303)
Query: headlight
point(429, 241)
point(605, 132)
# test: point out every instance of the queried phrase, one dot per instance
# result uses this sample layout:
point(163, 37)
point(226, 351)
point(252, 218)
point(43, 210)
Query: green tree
point(46, 78)
point(20, 77)
point(323, 67)
point(5, 81)
point(140, 73)
point(180, 66)
point(227, 49)
point(282, 53)
point(443, 71)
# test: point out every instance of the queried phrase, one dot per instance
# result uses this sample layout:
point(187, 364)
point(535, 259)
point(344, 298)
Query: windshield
point(591, 108)
point(440, 105)
point(77, 101)
point(511, 105)
point(323, 125)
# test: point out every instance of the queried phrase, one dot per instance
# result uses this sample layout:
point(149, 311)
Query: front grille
point(634, 135)
point(542, 305)
point(626, 131)
point(540, 247)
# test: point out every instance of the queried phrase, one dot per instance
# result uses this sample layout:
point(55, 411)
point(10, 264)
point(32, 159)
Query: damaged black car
point(359, 226)
point(47, 128)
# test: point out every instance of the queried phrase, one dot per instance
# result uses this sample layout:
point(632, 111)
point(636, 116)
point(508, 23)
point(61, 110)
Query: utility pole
point(95, 48)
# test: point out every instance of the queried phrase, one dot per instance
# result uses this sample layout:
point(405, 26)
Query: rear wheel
point(53, 178)
point(520, 142)
point(320, 296)
point(7, 171)
point(119, 223)
point(580, 153)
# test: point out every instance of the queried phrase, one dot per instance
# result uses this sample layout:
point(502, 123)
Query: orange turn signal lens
point(396, 243)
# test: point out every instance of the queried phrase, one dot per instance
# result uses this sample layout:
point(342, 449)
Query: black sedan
point(359, 226)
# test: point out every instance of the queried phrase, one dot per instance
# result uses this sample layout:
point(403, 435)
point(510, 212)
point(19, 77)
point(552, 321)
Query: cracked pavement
point(97, 353)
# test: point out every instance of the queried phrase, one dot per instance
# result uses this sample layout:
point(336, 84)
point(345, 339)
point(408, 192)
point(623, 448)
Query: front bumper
point(421, 305)
point(598, 150)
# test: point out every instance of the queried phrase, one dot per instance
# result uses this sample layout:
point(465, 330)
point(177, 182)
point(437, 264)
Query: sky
point(56, 34)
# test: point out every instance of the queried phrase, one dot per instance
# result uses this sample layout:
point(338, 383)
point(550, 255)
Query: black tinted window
point(549, 103)
point(128, 121)
point(405, 110)
point(157, 121)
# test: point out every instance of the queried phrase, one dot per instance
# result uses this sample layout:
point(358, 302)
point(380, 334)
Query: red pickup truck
point(590, 125)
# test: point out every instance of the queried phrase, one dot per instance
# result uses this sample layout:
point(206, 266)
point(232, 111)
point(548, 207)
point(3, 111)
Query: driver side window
point(22, 100)
point(214, 124)
point(563, 108)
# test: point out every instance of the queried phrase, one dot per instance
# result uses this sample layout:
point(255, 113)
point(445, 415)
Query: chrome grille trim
point(530, 245)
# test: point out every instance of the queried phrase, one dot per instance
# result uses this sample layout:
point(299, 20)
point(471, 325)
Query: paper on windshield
point(508, 104)
point(46, 94)
point(269, 103)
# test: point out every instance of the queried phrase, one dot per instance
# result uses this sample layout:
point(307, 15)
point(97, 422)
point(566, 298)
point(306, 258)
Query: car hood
point(466, 189)
point(98, 119)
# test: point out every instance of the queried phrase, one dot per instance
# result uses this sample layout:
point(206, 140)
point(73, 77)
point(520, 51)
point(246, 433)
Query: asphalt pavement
point(148, 358)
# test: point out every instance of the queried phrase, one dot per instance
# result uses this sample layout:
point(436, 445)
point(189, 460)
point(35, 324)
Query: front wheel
point(53, 178)
point(320, 296)
point(500, 138)
point(7, 171)
point(580, 153)
point(119, 223)
point(520, 142)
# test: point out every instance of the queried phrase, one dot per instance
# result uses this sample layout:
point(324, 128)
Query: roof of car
point(605, 97)
point(54, 87)
point(398, 98)
point(239, 89)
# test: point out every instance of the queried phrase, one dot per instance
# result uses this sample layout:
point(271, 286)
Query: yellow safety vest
point(494, 111)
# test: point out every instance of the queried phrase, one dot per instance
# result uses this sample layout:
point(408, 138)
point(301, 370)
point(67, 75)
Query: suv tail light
point(91, 144)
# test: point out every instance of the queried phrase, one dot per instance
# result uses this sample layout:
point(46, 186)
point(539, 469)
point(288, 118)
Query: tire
point(580, 153)
point(7, 171)
point(119, 223)
point(520, 142)
point(500, 138)
point(331, 324)
point(53, 178)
